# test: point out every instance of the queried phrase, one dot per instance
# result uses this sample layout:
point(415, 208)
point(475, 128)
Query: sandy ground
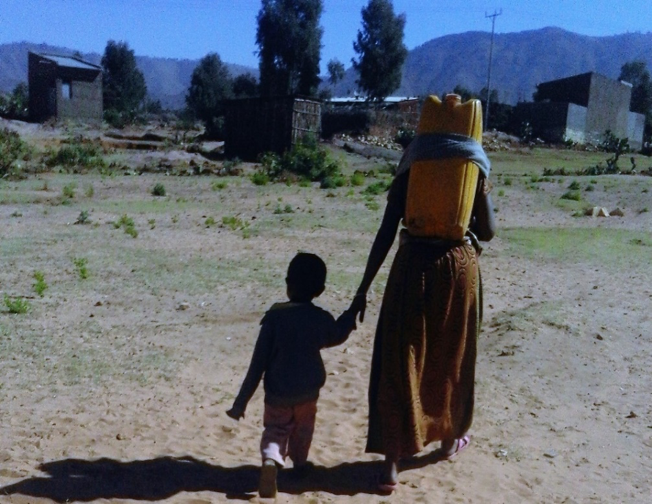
point(114, 388)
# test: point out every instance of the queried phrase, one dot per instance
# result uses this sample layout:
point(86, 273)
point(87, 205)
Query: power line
point(491, 50)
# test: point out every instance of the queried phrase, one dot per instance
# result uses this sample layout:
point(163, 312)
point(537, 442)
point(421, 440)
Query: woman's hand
point(359, 305)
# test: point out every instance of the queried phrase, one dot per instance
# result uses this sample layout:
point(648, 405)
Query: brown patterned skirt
point(423, 364)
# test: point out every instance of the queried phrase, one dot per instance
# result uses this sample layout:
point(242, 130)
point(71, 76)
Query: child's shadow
point(156, 479)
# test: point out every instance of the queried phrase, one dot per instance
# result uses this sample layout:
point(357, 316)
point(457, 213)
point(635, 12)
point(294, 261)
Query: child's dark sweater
point(288, 353)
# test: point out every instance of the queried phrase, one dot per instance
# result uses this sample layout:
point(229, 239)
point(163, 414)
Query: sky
point(190, 29)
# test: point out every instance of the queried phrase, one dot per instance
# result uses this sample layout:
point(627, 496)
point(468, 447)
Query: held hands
point(359, 305)
point(236, 413)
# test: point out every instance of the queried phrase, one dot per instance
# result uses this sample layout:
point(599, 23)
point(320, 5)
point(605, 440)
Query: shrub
point(75, 155)
point(218, 185)
point(572, 195)
point(158, 190)
point(12, 150)
point(17, 305)
point(355, 122)
point(377, 188)
point(128, 224)
point(404, 136)
point(260, 178)
point(357, 179)
point(306, 159)
point(574, 185)
point(68, 191)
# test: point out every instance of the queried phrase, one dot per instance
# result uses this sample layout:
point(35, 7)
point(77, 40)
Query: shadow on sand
point(156, 479)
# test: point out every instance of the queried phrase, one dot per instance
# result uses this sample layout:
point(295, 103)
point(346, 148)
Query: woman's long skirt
point(423, 364)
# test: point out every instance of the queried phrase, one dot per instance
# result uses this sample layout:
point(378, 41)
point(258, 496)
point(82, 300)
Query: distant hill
point(520, 62)
point(167, 79)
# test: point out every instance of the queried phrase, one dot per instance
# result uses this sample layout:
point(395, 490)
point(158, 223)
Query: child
point(287, 354)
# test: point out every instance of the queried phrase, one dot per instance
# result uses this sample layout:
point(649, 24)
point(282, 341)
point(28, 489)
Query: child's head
point(306, 277)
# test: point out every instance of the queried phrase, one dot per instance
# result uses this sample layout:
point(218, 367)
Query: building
point(581, 109)
point(272, 124)
point(64, 88)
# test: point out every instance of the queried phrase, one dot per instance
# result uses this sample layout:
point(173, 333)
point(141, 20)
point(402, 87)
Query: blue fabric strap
point(444, 146)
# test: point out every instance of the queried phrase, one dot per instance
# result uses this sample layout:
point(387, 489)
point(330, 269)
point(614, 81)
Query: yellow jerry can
point(441, 192)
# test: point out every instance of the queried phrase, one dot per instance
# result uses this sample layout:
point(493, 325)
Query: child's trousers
point(288, 432)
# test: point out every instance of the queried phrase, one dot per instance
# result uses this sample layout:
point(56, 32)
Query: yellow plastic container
point(441, 191)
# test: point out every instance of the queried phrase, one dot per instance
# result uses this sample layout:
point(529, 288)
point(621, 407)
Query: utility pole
point(491, 50)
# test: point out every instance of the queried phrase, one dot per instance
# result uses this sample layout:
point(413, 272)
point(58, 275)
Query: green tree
point(123, 84)
point(289, 46)
point(19, 101)
point(380, 49)
point(210, 85)
point(335, 71)
point(637, 74)
point(245, 85)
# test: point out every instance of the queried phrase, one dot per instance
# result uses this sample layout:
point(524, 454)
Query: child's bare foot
point(267, 485)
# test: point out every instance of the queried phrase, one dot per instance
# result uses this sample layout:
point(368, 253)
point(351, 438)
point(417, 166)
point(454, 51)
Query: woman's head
point(306, 277)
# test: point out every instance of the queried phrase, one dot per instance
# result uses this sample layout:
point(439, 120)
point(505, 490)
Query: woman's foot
point(451, 447)
point(389, 477)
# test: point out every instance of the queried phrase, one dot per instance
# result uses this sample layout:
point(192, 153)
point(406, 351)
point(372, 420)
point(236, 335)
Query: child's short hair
point(307, 274)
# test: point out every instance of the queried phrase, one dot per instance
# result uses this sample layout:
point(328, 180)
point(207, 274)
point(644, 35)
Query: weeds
point(234, 223)
point(260, 178)
point(83, 218)
point(81, 265)
point(357, 179)
point(76, 154)
point(285, 210)
point(572, 195)
point(17, 305)
point(39, 284)
point(158, 190)
point(12, 151)
point(377, 188)
point(127, 223)
point(218, 185)
point(210, 221)
point(68, 191)
point(574, 185)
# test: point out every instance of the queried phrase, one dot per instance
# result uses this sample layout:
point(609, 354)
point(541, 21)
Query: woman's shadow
point(151, 480)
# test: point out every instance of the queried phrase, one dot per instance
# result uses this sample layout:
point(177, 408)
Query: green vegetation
point(306, 161)
point(158, 190)
point(76, 154)
point(81, 265)
point(127, 223)
point(234, 223)
point(218, 185)
point(599, 246)
point(12, 151)
point(39, 284)
point(17, 305)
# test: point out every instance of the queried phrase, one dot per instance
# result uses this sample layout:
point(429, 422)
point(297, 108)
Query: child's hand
point(236, 413)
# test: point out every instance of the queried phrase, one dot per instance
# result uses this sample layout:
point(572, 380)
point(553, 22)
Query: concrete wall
point(635, 129)
point(608, 107)
point(47, 99)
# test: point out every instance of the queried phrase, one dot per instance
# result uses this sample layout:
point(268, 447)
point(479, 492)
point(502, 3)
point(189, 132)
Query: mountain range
point(520, 61)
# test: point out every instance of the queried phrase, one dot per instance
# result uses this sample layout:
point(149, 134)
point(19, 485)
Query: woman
point(423, 365)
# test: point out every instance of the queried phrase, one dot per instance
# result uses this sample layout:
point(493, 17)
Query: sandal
point(462, 444)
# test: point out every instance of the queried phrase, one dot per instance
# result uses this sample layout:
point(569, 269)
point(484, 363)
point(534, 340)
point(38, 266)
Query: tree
point(289, 46)
point(245, 85)
point(381, 51)
point(210, 85)
point(335, 71)
point(636, 73)
point(123, 84)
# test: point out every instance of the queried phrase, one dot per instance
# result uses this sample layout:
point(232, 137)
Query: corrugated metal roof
point(66, 61)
